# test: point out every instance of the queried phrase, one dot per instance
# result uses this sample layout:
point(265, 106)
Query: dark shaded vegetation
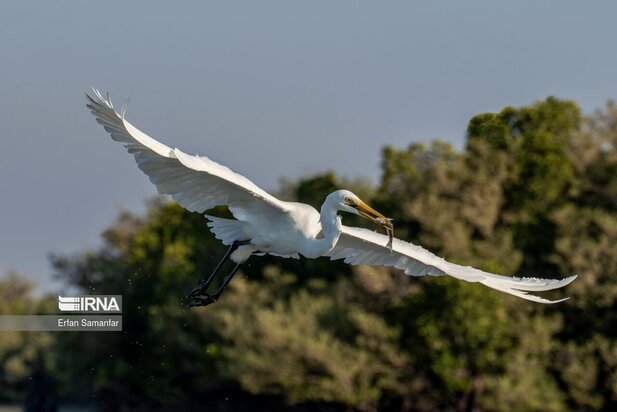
point(534, 192)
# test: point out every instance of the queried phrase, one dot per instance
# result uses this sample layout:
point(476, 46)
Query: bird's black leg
point(204, 299)
point(203, 285)
point(200, 295)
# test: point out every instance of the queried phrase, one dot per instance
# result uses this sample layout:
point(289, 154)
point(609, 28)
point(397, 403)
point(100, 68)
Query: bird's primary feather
point(197, 183)
point(364, 247)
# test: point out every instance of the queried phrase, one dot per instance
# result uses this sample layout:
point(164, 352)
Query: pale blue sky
point(270, 89)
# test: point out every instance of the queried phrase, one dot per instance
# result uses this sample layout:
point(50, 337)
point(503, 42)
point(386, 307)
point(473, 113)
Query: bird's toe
point(203, 299)
point(199, 290)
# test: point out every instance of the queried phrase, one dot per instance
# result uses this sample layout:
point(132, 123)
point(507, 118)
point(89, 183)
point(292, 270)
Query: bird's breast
point(290, 233)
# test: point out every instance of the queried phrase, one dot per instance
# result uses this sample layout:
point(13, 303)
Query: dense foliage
point(533, 192)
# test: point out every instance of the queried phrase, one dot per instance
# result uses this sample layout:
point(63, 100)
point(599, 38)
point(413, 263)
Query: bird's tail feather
point(226, 230)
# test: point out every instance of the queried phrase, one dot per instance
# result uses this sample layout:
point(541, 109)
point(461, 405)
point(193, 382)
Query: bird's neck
point(331, 226)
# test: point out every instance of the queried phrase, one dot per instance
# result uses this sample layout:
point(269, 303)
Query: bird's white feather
point(197, 183)
point(226, 230)
point(364, 247)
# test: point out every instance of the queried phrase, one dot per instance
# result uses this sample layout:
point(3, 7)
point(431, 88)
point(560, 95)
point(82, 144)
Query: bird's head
point(348, 202)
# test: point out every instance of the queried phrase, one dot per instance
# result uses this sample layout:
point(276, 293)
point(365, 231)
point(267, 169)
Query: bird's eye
point(348, 200)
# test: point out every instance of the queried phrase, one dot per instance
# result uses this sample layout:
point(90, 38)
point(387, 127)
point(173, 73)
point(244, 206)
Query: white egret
point(264, 224)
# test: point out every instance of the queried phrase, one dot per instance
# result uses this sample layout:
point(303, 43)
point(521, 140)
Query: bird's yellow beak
point(371, 214)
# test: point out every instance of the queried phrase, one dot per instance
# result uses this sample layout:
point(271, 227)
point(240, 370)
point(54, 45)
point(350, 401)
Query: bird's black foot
point(199, 290)
point(200, 296)
point(201, 299)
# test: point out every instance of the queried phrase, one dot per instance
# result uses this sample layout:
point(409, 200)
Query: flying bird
point(264, 224)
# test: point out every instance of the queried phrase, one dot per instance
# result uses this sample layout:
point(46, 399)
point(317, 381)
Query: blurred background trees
point(533, 192)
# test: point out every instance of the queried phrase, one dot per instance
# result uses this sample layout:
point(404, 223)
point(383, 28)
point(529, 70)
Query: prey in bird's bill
point(371, 214)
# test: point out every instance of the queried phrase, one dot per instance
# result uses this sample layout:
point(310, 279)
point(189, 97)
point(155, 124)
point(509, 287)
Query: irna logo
point(90, 304)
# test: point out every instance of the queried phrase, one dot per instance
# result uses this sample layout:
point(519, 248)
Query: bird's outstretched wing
point(364, 247)
point(195, 182)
